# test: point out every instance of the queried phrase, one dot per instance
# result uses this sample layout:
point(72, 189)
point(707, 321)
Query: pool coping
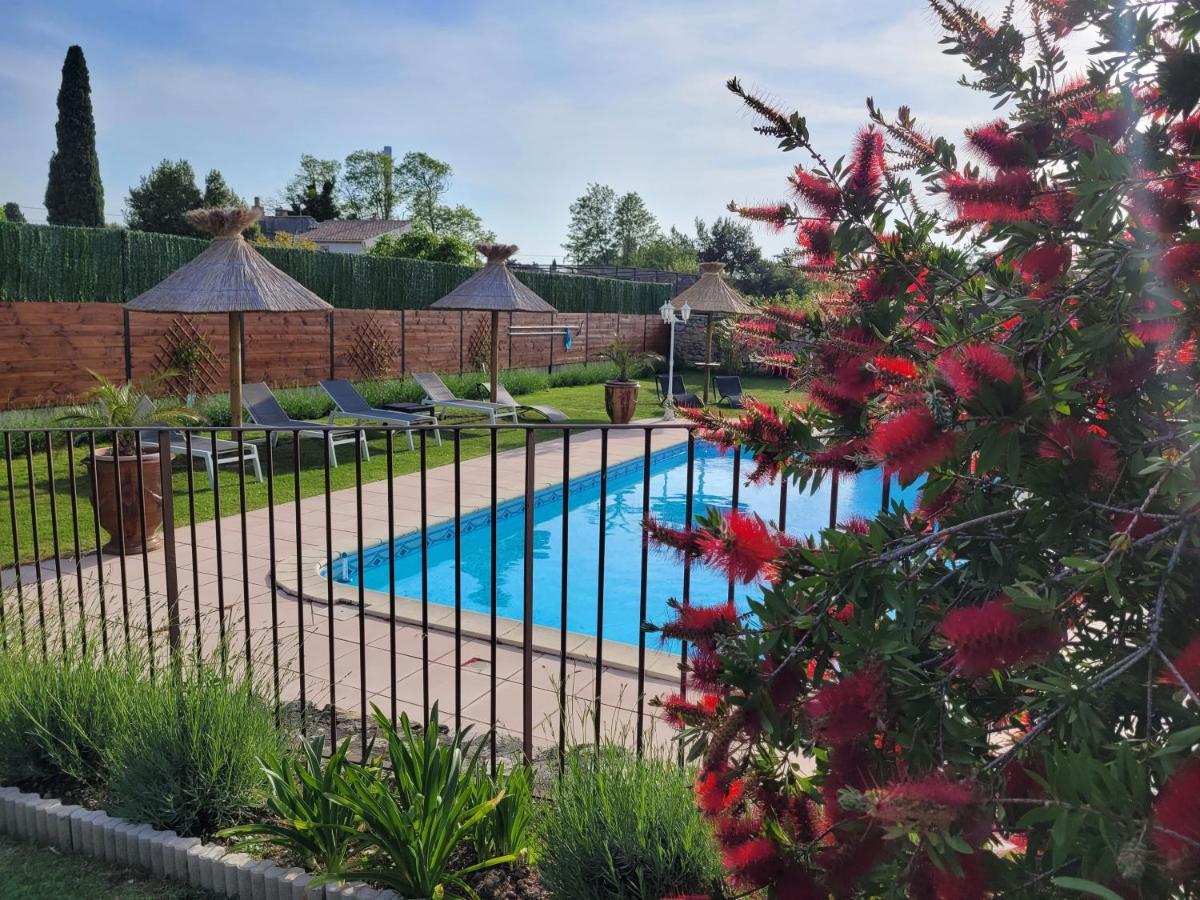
point(441, 617)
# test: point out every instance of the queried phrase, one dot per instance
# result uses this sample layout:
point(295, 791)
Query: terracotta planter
point(620, 400)
point(106, 504)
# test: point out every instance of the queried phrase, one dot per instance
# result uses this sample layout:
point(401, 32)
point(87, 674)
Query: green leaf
point(1084, 887)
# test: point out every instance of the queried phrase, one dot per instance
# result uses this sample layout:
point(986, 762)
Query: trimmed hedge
point(112, 265)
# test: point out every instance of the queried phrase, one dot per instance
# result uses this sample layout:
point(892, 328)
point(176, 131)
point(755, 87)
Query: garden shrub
point(623, 828)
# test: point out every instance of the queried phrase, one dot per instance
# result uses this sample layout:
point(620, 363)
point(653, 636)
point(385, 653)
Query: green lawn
point(583, 404)
point(28, 872)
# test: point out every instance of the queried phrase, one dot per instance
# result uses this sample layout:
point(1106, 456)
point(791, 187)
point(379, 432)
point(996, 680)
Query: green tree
point(370, 188)
point(74, 193)
point(729, 242)
point(634, 226)
point(217, 192)
point(312, 171)
point(591, 234)
point(460, 222)
point(672, 252)
point(321, 205)
point(12, 213)
point(161, 199)
point(422, 180)
point(421, 244)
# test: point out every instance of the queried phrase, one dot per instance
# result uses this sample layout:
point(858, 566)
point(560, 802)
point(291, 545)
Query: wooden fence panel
point(48, 349)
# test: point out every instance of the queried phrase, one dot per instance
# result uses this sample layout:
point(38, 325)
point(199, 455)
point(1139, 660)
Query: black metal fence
point(245, 567)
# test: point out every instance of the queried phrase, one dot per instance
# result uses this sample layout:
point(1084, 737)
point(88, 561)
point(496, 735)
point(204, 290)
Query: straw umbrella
point(494, 289)
point(228, 277)
point(713, 297)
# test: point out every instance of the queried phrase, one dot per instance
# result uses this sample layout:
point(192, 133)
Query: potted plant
point(124, 409)
point(621, 393)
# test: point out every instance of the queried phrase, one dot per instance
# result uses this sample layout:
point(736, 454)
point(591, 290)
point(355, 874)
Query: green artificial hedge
point(112, 265)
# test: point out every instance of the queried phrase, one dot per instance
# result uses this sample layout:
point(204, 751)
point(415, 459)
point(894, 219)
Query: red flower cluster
point(1076, 443)
point(910, 443)
point(1180, 265)
point(866, 166)
point(996, 636)
point(1004, 147)
point(1187, 663)
point(701, 624)
point(1042, 267)
point(815, 236)
point(848, 709)
point(743, 548)
point(1003, 198)
point(968, 367)
point(822, 196)
point(935, 802)
point(1177, 818)
point(847, 457)
point(679, 712)
point(774, 215)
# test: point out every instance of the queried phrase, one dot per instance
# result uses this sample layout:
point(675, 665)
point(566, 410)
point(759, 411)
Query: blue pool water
point(713, 486)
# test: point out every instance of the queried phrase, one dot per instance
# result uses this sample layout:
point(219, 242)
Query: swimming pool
point(713, 486)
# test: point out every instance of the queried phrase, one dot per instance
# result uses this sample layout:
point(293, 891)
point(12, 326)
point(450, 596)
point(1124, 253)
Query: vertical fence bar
point(734, 497)
point(301, 635)
point(141, 485)
point(783, 488)
point(95, 487)
point(492, 612)
point(886, 501)
point(641, 668)
point(272, 575)
point(222, 643)
point(600, 549)
point(564, 588)
point(16, 542)
point(169, 561)
point(37, 543)
point(120, 538)
point(457, 580)
point(833, 501)
point(688, 513)
point(527, 609)
point(328, 447)
point(241, 449)
point(197, 638)
point(359, 436)
point(52, 494)
point(424, 579)
point(78, 556)
point(390, 437)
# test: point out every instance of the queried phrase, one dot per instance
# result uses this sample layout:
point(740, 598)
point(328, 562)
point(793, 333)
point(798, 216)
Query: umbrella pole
point(235, 369)
point(708, 322)
point(495, 364)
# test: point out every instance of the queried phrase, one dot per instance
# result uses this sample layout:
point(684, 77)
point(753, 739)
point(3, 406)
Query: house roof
point(354, 231)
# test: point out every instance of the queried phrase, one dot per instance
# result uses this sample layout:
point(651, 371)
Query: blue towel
point(567, 338)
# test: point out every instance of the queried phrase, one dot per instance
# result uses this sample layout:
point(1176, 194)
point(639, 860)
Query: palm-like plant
point(629, 362)
point(124, 408)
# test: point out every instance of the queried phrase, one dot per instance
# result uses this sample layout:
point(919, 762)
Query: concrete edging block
point(211, 869)
point(62, 825)
point(227, 883)
point(47, 815)
point(175, 856)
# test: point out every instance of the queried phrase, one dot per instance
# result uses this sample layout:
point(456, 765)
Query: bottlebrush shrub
point(993, 693)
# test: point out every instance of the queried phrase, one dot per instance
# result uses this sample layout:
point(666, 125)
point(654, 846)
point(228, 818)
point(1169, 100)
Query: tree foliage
point(321, 204)
point(312, 171)
point(370, 186)
point(161, 199)
point(993, 693)
point(421, 244)
point(422, 182)
point(74, 193)
point(217, 193)
point(591, 237)
point(12, 213)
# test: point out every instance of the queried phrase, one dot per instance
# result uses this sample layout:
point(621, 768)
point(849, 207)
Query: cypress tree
point(74, 194)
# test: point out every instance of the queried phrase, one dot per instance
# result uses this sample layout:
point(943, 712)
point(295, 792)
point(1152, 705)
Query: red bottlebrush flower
point(1108, 125)
point(1187, 663)
point(895, 369)
point(866, 166)
point(1180, 265)
point(839, 457)
point(911, 443)
point(822, 196)
point(704, 671)
point(848, 709)
point(967, 368)
point(848, 768)
point(774, 214)
point(1126, 375)
point(1186, 134)
point(1054, 207)
point(1176, 818)
point(846, 389)
point(1163, 206)
point(931, 508)
point(928, 882)
point(1000, 146)
point(1004, 198)
point(679, 713)
point(716, 794)
point(934, 802)
point(752, 864)
point(683, 541)
point(996, 636)
point(856, 525)
point(816, 237)
point(1020, 783)
point(732, 830)
point(1137, 528)
point(851, 858)
point(700, 624)
point(743, 548)
point(1076, 444)
point(1044, 266)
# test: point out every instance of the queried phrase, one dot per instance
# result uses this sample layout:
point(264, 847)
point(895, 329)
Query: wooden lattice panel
point(204, 373)
point(372, 353)
point(479, 347)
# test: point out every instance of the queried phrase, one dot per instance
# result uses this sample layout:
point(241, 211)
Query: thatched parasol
point(494, 289)
point(228, 277)
point(713, 297)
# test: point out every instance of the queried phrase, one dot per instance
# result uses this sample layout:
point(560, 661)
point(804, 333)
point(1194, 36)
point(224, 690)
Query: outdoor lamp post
point(671, 316)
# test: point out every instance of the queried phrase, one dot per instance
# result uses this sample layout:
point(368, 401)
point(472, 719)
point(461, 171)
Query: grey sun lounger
point(265, 410)
point(438, 395)
point(679, 393)
point(729, 388)
point(350, 403)
point(220, 452)
point(504, 397)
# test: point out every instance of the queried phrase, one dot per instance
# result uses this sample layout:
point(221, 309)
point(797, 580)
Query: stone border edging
point(163, 853)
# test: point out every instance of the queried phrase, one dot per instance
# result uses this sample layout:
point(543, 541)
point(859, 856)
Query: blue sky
point(528, 101)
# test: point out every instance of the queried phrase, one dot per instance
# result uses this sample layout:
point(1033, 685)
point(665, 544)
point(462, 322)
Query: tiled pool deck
point(304, 626)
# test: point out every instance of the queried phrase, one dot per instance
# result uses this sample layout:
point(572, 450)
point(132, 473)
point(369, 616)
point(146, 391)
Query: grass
point(583, 404)
point(29, 872)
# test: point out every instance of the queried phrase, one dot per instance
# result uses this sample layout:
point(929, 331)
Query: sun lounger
point(221, 452)
point(504, 397)
point(350, 403)
point(679, 394)
point(438, 395)
point(265, 410)
point(729, 388)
